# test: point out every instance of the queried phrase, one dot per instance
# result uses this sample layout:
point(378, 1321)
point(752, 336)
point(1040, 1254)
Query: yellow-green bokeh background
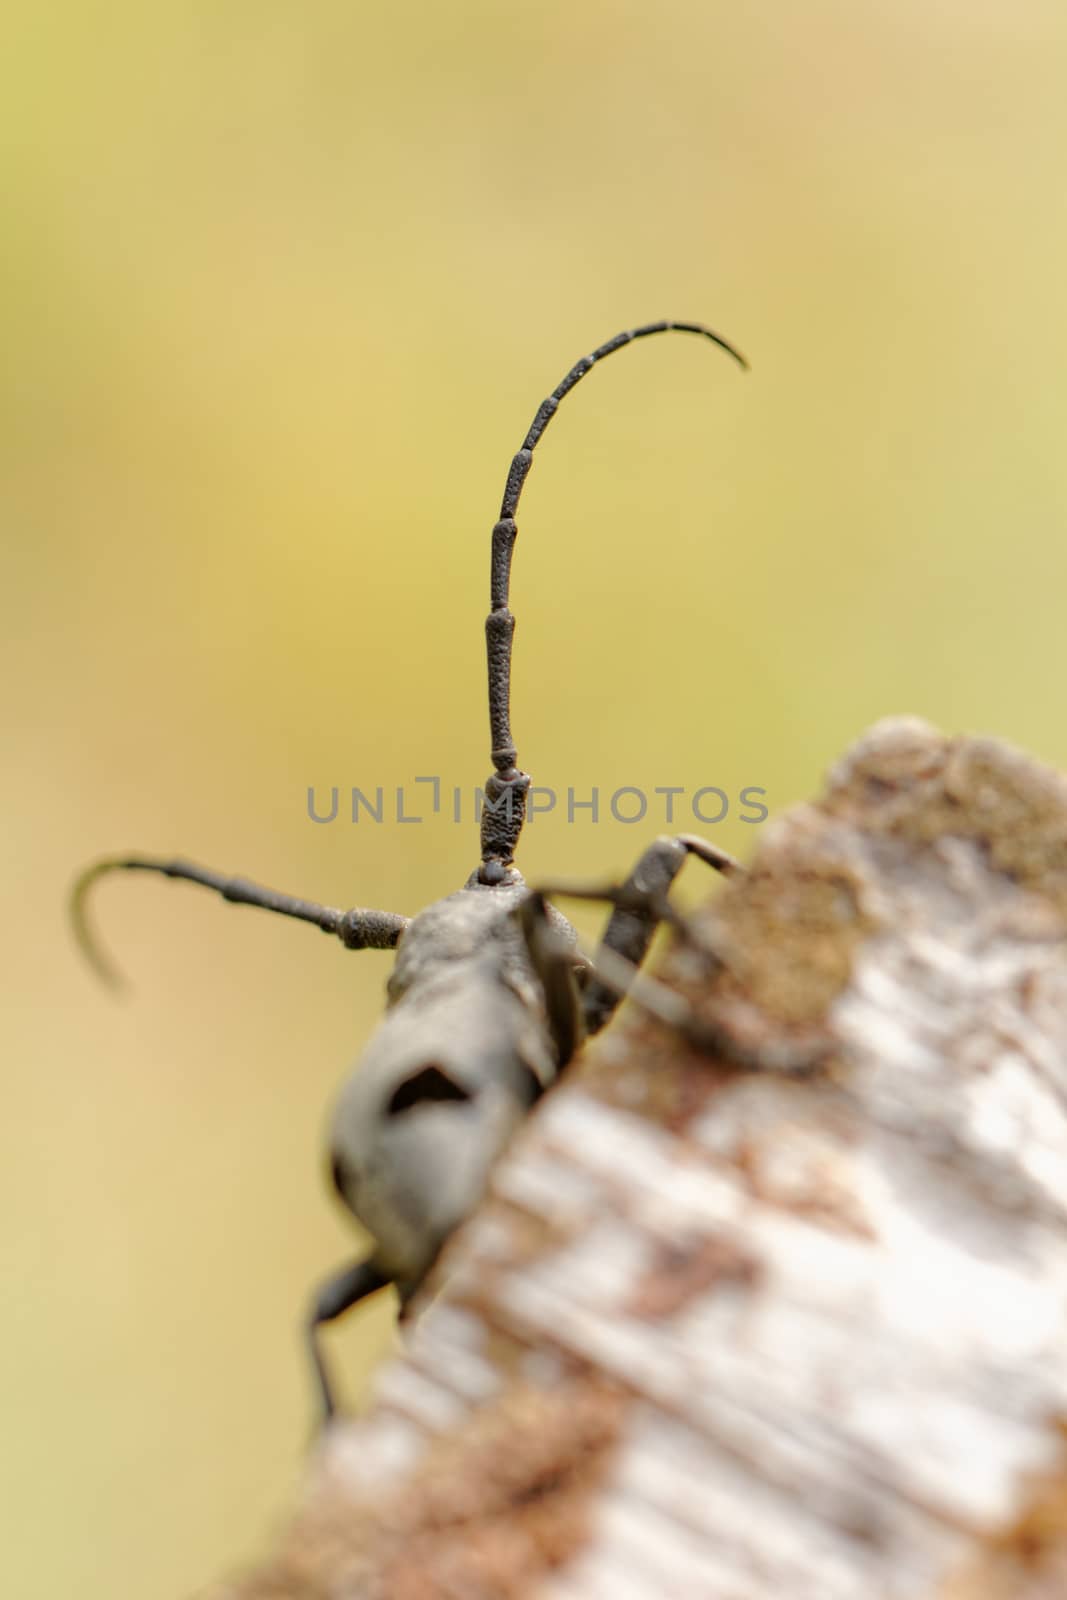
point(283, 287)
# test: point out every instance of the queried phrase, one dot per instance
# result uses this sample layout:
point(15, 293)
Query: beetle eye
point(428, 1084)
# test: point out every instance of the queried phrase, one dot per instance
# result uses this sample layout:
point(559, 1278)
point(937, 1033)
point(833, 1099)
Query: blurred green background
point(283, 288)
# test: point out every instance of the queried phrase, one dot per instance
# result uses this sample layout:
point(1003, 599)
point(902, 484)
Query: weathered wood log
point(732, 1335)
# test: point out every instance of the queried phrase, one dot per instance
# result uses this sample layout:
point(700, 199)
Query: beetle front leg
point(613, 976)
point(641, 904)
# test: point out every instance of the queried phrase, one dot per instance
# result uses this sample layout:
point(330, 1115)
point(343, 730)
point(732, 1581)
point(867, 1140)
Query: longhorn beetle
point(490, 996)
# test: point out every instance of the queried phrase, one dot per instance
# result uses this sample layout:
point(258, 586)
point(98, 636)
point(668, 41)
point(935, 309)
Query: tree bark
point(746, 1334)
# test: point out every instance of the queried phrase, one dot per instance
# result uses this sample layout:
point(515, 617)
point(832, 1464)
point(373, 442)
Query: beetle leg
point(640, 904)
point(336, 1296)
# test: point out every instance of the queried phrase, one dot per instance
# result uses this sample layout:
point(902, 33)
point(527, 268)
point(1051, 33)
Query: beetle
point(489, 997)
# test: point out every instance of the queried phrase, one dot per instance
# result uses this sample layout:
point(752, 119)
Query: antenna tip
point(731, 349)
point(81, 926)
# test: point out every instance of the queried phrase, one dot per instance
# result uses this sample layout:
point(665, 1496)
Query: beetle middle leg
point(334, 1297)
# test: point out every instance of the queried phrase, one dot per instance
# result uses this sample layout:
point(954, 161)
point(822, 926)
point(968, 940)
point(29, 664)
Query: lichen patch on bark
point(491, 1509)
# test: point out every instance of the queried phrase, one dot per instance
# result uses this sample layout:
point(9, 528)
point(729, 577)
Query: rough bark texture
point(728, 1335)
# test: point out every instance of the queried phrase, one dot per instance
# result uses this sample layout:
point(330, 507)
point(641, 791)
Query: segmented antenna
point(505, 792)
point(357, 929)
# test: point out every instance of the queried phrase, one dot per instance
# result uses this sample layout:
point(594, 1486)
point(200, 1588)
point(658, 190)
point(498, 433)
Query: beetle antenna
point(357, 929)
point(505, 792)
